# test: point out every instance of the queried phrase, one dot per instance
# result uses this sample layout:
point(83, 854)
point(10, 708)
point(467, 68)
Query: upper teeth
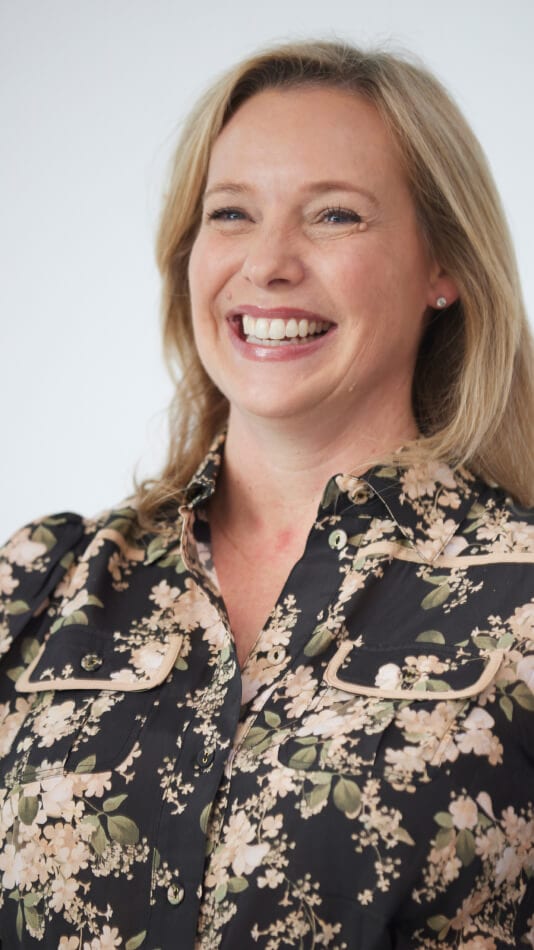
point(277, 329)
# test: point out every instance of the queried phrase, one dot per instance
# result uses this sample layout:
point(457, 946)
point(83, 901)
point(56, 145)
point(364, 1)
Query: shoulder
point(36, 559)
point(499, 526)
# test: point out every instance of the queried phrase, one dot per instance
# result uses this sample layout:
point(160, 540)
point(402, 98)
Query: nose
point(273, 257)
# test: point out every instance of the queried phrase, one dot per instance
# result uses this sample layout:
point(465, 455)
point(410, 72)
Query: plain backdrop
point(92, 95)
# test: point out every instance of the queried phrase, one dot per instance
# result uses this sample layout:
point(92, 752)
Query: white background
point(92, 93)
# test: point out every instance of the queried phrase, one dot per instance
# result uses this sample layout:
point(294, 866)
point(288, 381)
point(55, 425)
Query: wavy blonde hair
point(473, 389)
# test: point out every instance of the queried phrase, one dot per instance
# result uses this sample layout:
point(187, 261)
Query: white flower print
point(464, 812)
point(8, 583)
point(389, 676)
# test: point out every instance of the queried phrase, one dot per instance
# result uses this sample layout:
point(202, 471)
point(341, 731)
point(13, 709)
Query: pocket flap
point(79, 657)
point(410, 672)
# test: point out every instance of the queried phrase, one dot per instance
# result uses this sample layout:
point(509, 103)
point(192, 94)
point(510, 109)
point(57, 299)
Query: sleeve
point(32, 563)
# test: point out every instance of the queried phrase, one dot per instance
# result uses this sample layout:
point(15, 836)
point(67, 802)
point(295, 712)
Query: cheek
point(211, 267)
point(197, 285)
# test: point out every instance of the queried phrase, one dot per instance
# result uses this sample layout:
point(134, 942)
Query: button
point(91, 662)
point(337, 539)
point(205, 758)
point(175, 894)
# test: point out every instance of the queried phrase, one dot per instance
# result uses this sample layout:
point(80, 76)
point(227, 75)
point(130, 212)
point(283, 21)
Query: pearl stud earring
point(441, 302)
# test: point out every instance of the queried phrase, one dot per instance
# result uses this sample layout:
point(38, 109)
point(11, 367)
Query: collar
point(428, 502)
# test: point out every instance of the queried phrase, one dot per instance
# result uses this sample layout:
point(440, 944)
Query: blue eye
point(340, 216)
point(226, 214)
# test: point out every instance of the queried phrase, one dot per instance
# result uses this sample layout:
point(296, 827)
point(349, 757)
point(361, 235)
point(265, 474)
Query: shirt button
point(337, 539)
point(175, 894)
point(276, 655)
point(205, 758)
point(91, 662)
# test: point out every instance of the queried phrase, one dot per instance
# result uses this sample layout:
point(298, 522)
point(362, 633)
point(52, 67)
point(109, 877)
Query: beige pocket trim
point(132, 684)
point(483, 681)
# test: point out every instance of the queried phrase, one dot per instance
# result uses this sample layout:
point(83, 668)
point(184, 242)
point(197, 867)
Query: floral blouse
point(366, 781)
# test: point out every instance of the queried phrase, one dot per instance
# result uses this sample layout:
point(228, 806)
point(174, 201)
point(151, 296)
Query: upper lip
point(273, 313)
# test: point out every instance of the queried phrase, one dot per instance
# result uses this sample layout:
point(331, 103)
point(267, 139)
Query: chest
point(251, 580)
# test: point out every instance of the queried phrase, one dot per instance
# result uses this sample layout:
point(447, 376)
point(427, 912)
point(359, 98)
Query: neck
point(274, 471)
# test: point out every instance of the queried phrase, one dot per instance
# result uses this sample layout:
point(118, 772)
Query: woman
point(270, 704)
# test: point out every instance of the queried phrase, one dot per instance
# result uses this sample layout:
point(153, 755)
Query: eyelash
point(353, 216)
point(223, 214)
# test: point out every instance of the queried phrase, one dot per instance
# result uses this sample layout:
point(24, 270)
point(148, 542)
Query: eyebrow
point(315, 188)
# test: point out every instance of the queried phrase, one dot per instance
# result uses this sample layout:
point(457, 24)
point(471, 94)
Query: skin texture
point(279, 247)
point(274, 235)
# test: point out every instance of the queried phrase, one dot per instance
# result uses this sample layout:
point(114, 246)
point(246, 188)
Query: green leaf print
point(99, 841)
point(430, 636)
point(439, 923)
point(134, 942)
point(17, 607)
point(318, 795)
point(77, 616)
point(111, 804)
point(465, 846)
point(304, 758)
point(34, 919)
point(220, 892)
point(402, 835)
point(319, 641)
point(507, 707)
point(524, 696)
point(123, 829)
point(272, 719)
point(30, 900)
point(205, 817)
point(43, 535)
point(484, 642)
point(20, 922)
point(15, 672)
point(86, 765)
point(443, 819)
point(444, 838)
point(29, 649)
point(155, 548)
point(237, 884)
point(436, 597)
point(347, 797)
point(28, 808)
point(387, 471)
point(254, 737)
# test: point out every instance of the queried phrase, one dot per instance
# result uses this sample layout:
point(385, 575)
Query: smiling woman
point(284, 695)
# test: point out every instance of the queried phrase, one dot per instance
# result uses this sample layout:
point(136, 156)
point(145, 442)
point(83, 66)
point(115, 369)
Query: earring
point(441, 302)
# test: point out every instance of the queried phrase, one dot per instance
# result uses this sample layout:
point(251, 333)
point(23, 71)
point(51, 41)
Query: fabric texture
point(366, 781)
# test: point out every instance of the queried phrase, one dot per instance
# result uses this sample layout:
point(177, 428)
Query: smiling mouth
point(262, 331)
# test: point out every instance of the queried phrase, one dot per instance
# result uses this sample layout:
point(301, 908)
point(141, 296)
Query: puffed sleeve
point(32, 564)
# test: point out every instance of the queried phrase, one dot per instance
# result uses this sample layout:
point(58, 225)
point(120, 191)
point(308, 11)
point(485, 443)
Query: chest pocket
point(390, 711)
point(89, 698)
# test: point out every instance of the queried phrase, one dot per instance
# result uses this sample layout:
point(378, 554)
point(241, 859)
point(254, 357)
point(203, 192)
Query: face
point(309, 277)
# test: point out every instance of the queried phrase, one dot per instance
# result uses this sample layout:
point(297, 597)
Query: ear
point(441, 288)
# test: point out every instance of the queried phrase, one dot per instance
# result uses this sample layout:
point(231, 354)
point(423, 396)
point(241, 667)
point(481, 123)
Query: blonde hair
point(473, 390)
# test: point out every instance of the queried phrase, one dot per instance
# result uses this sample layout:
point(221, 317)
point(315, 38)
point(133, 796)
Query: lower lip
point(281, 353)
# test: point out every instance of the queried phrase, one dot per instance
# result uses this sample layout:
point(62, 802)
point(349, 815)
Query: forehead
point(309, 129)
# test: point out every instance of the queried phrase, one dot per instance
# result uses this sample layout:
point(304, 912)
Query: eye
point(226, 214)
point(339, 216)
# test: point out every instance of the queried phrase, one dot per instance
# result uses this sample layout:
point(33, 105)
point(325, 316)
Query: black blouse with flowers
point(366, 781)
